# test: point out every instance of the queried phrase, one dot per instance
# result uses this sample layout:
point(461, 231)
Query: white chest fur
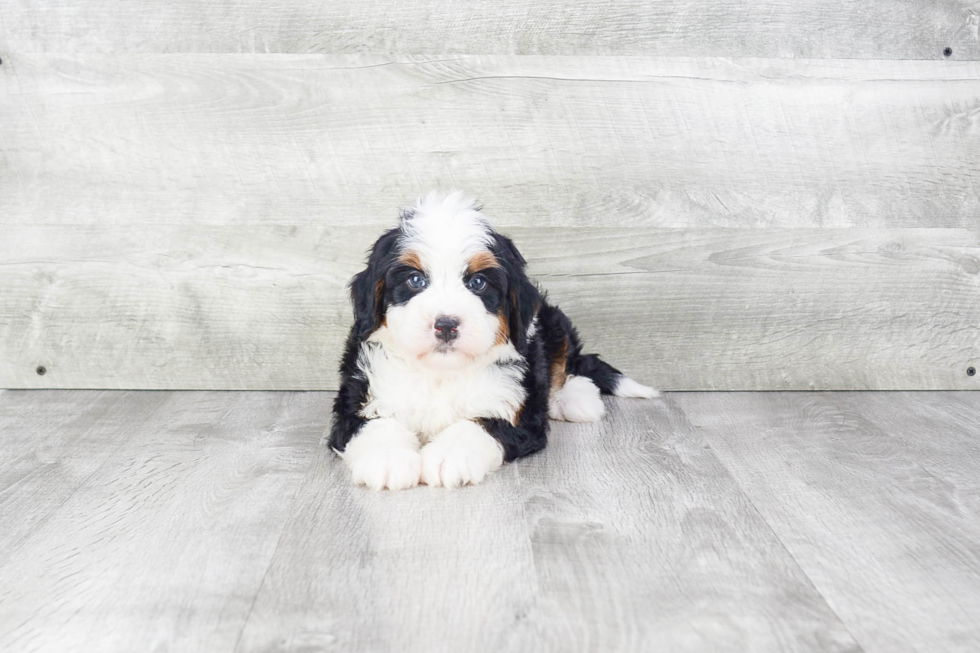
point(427, 401)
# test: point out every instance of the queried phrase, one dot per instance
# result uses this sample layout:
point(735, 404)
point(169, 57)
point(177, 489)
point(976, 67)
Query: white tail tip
point(627, 387)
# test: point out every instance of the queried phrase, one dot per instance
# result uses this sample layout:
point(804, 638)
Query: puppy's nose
point(447, 328)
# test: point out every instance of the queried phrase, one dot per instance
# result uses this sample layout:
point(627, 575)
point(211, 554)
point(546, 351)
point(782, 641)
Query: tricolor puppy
point(456, 360)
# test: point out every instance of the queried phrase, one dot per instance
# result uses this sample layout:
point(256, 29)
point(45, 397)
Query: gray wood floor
point(210, 521)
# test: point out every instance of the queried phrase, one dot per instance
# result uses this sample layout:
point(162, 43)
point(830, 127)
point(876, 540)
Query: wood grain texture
point(51, 444)
point(419, 570)
point(950, 458)
point(867, 498)
point(899, 29)
point(642, 542)
point(543, 141)
point(721, 522)
point(222, 307)
point(623, 536)
point(164, 545)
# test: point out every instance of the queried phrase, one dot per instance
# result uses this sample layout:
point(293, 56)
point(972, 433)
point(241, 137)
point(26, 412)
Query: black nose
point(447, 328)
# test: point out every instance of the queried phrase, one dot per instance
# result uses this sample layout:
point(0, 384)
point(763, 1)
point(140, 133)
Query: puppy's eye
point(476, 283)
point(416, 281)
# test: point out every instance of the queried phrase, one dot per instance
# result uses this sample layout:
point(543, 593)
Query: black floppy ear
point(367, 288)
point(523, 298)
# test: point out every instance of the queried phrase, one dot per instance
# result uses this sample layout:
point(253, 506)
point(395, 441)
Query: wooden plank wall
point(818, 29)
point(767, 195)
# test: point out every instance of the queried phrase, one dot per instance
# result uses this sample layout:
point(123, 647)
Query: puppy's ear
point(367, 288)
point(523, 298)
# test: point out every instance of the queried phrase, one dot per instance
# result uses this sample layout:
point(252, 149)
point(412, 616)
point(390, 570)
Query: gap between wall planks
point(222, 307)
point(543, 141)
point(149, 206)
point(888, 29)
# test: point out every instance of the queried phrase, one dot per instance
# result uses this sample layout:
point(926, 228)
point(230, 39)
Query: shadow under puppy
point(456, 360)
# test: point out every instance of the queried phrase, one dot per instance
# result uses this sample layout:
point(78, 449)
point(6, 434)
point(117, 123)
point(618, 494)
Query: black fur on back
point(554, 336)
point(558, 331)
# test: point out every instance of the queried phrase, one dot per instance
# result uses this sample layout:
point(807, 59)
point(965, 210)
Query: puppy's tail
point(608, 379)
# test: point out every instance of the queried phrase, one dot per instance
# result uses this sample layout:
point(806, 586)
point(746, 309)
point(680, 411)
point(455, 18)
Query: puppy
point(456, 360)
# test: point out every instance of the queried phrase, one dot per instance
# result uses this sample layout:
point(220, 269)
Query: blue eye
point(477, 283)
point(416, 281)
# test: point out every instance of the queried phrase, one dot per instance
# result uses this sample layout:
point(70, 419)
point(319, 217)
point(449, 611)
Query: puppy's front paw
point(463, 453)
point(384, 454)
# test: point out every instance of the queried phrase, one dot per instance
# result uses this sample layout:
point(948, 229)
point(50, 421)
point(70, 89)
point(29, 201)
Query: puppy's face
point(444, 312)
point(445, 288)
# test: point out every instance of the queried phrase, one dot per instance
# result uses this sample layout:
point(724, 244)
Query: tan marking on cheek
point(411, 258)
point(481, 261)
point(503, 330)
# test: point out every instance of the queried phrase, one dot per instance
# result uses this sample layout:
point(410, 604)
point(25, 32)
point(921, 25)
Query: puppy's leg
point(577, 401)
point(462, 453)
point(384, 454)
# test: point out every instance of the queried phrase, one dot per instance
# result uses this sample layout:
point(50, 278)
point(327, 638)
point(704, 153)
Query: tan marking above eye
point(481, 261)
point(412, 259)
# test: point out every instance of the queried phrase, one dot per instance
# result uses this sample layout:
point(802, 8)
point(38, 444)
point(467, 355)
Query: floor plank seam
point(300, 492)
point(83, 484)
point(765, 520)
point(528, 531)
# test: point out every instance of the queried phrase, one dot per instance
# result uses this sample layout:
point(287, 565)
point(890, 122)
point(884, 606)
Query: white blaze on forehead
point(442, 235)
point(446, 231)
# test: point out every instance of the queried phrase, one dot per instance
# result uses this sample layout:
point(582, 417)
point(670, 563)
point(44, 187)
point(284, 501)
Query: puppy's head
point(444, 286)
